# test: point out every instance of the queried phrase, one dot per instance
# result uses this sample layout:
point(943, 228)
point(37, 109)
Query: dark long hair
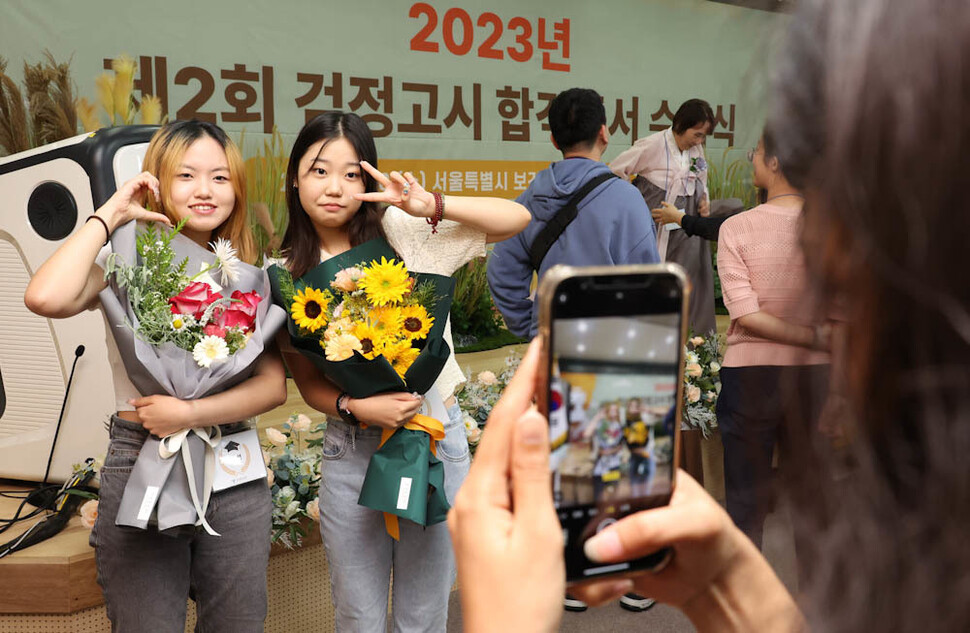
point(870, 121)
point(301, 245)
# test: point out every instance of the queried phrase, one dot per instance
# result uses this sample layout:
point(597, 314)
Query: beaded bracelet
point(439, 211)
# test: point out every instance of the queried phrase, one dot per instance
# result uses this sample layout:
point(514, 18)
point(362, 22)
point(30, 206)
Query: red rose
point(241, 313)
point(194, 299)
point(214, 330)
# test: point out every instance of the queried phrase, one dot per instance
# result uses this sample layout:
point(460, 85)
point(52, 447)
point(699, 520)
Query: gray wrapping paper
point(170, 370)
point(145, 483)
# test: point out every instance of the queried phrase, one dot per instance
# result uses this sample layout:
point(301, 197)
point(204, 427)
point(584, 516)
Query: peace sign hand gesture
point(400, 190)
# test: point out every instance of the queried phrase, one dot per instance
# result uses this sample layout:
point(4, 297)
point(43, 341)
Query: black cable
point(54, 523)
point(78, 352)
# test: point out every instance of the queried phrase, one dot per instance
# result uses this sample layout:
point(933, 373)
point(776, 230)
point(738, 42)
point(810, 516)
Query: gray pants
point(147, 576)
point(360, 553)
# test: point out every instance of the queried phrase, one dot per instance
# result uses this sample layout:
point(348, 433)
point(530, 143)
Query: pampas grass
point(50, 96)
point(150, 112)
point(44, 112)
point(117, 100)
point(13, 115)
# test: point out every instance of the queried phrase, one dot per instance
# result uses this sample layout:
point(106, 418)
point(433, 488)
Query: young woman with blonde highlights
point(193, 173)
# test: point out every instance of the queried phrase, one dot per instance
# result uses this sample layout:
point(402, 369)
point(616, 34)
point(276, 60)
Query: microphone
point(45, 496)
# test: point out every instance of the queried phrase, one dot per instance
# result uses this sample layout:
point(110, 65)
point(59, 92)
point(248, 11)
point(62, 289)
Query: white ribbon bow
point(170, 445)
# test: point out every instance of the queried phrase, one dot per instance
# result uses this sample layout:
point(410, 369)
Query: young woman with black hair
point(334, 205)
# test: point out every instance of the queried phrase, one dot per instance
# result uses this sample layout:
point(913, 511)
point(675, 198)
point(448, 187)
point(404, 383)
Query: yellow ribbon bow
point(420, 422)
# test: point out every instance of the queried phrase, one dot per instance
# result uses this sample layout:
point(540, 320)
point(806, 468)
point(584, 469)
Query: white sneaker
point(572, 603)
point(636, 602)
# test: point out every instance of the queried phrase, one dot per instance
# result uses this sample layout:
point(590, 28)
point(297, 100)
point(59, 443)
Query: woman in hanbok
point(670, 167)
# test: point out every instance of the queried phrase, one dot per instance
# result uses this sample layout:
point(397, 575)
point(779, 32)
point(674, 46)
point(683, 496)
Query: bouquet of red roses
point(188, 336)
point(184, 334)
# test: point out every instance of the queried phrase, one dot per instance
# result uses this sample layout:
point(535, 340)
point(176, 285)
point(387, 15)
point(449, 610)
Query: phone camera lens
point(619, 295)
point(563, 297)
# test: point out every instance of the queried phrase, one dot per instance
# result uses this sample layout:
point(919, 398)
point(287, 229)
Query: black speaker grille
point(52, 211)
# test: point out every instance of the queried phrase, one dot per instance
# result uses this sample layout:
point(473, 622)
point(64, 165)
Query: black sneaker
point(572, 603)
point(636, 602)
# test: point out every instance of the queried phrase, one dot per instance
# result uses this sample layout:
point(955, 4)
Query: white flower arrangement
point(293, 472)
point(478, 395)
point(702, 382)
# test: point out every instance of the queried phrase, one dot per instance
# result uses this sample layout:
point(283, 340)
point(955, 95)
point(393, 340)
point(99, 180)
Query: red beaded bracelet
point(439, 211)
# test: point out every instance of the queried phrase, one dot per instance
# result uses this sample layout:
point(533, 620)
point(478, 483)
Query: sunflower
point(386, 320)
point(416, 322)
point(400, 355)
point(309, 309)
point(386, 282)
point(371, 339)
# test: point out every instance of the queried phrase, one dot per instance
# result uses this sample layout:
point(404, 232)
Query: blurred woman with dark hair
point(871, 126)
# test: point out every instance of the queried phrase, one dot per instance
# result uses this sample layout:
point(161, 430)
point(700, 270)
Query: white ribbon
point(170, 445)
point(662, 241)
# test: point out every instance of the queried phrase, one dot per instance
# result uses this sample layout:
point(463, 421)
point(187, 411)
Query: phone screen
point(613, 376)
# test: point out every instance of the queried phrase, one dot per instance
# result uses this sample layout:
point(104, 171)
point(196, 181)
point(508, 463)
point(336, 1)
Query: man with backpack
point(582, 215)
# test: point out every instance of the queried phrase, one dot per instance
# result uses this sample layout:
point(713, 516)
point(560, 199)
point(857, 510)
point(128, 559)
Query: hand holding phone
point(611, 386)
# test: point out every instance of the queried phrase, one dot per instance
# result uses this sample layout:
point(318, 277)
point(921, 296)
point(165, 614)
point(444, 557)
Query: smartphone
point(611, 385)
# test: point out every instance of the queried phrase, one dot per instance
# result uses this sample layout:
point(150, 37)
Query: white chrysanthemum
point(211, 349)
point(226, 260)
point(182, 321)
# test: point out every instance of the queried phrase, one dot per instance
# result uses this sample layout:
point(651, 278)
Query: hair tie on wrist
point(439, 211)
point(107, 231)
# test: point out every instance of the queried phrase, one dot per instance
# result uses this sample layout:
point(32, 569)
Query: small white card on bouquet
point(239, 460)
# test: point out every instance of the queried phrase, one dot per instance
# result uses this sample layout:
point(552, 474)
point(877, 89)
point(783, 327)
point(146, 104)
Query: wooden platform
point(56, 576)
point(52, 586)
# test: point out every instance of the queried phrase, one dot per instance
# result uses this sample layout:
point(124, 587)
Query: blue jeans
point(361, 554)
point(147, 576)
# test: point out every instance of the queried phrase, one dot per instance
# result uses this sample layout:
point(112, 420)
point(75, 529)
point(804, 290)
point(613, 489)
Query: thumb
point(140, 402)
point(531, 487)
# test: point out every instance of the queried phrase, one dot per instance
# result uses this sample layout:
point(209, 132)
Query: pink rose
point(346, 279)
point(693, 394)
point(241, 313)
point(89, 513)
point(214, 329)
point(194, 299)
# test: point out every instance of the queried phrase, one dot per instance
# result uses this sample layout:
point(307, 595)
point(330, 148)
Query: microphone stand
point(46, 495)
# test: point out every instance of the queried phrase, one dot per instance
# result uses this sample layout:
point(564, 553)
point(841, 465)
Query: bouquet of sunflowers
point(371, 327)
point(366, 322)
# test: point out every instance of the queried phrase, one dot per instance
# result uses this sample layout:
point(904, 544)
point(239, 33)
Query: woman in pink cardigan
point(776, 364)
